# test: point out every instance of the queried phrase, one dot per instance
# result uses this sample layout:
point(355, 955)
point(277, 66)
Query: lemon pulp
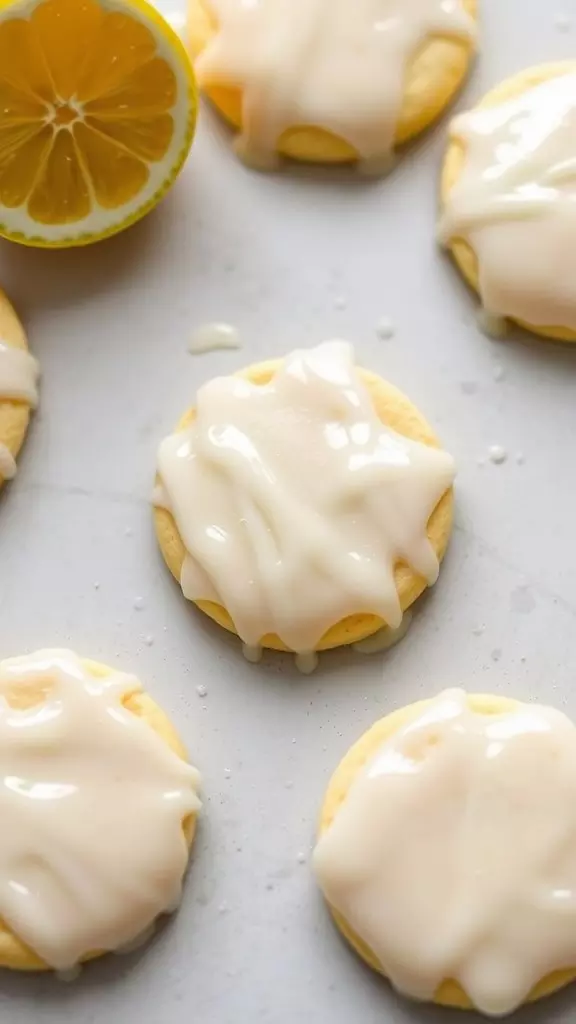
point(86, 106)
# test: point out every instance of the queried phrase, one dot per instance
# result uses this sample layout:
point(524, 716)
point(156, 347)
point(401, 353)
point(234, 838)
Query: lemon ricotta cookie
point(18, 388)
point(447, 850)
point(509, 200)
point(98, 806)
point(304, 503)
point(330, 80)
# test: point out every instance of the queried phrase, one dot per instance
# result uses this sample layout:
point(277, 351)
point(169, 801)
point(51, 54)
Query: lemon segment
point(97, 115)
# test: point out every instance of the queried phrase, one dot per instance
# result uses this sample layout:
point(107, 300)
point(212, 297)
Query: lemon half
point(97, 115)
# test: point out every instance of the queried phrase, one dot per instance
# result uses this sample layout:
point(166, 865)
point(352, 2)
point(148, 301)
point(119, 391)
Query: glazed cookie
point(328, 81)
point(447, 850)
point(98, 808)
point(304, 503)
point(18, 395)
point(509, 200)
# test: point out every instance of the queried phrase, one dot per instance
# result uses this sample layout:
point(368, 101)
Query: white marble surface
point(290, 260)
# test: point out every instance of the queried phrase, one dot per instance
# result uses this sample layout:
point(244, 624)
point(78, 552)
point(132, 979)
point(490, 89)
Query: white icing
point(454, 853)
point(210, 337)
point(515, 202)
point(19, 373)
point(497, 454)
point(92, 802)
point(306, 662)
point(295, 502)
point(334, 64)
point(252, 653)
point(7, 463)
point(385, 638)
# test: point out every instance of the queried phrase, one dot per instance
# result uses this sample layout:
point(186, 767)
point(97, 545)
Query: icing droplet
point(252, 653)
point(7, 463)
point(201, 690)
point(496, 654)
point(301, 858)
point(385, 328)
point(478, 630)
point(491, 325)
point(497, 454)
point(307, 662)
point(227, 773)
point(70, 975)
point(520, 459)
point(384, 638)
point(340, 302)
point(149, 640)
point(210, 337)
point(96, 585)
point(139, 604)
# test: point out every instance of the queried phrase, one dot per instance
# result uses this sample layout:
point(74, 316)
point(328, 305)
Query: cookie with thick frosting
point(99, 807)
point(447, 850)
point(330, 81)
point(508, 200)
point(303, 503)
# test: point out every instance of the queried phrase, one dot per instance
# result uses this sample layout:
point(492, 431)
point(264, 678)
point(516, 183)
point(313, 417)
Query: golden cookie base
point(13, 953)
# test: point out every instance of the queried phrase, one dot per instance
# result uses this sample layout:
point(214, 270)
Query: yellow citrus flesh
point(97, 113)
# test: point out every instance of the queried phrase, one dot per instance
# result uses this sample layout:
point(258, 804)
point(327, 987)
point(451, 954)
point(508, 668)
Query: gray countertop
point(291, 260)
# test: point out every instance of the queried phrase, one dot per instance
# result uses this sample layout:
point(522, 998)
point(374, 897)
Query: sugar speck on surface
point(520, 459)
point(138, 603)
point(201, 690)
point(301, 858)
point(497, 454)
point(496, 654)
point(128, 531)
point(96, 586)
point(478, 630)
point(562, 22)
point(498, 372)
point(385, 328)
point(340, 302)
point(227, 773)
point(149, 640)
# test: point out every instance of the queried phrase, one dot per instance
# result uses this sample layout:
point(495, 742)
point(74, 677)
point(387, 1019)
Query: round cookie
point(14, 954)
point(433, 77)
point(450, 993)
point(14, 415)
point(397, 412)
point(462, 252)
